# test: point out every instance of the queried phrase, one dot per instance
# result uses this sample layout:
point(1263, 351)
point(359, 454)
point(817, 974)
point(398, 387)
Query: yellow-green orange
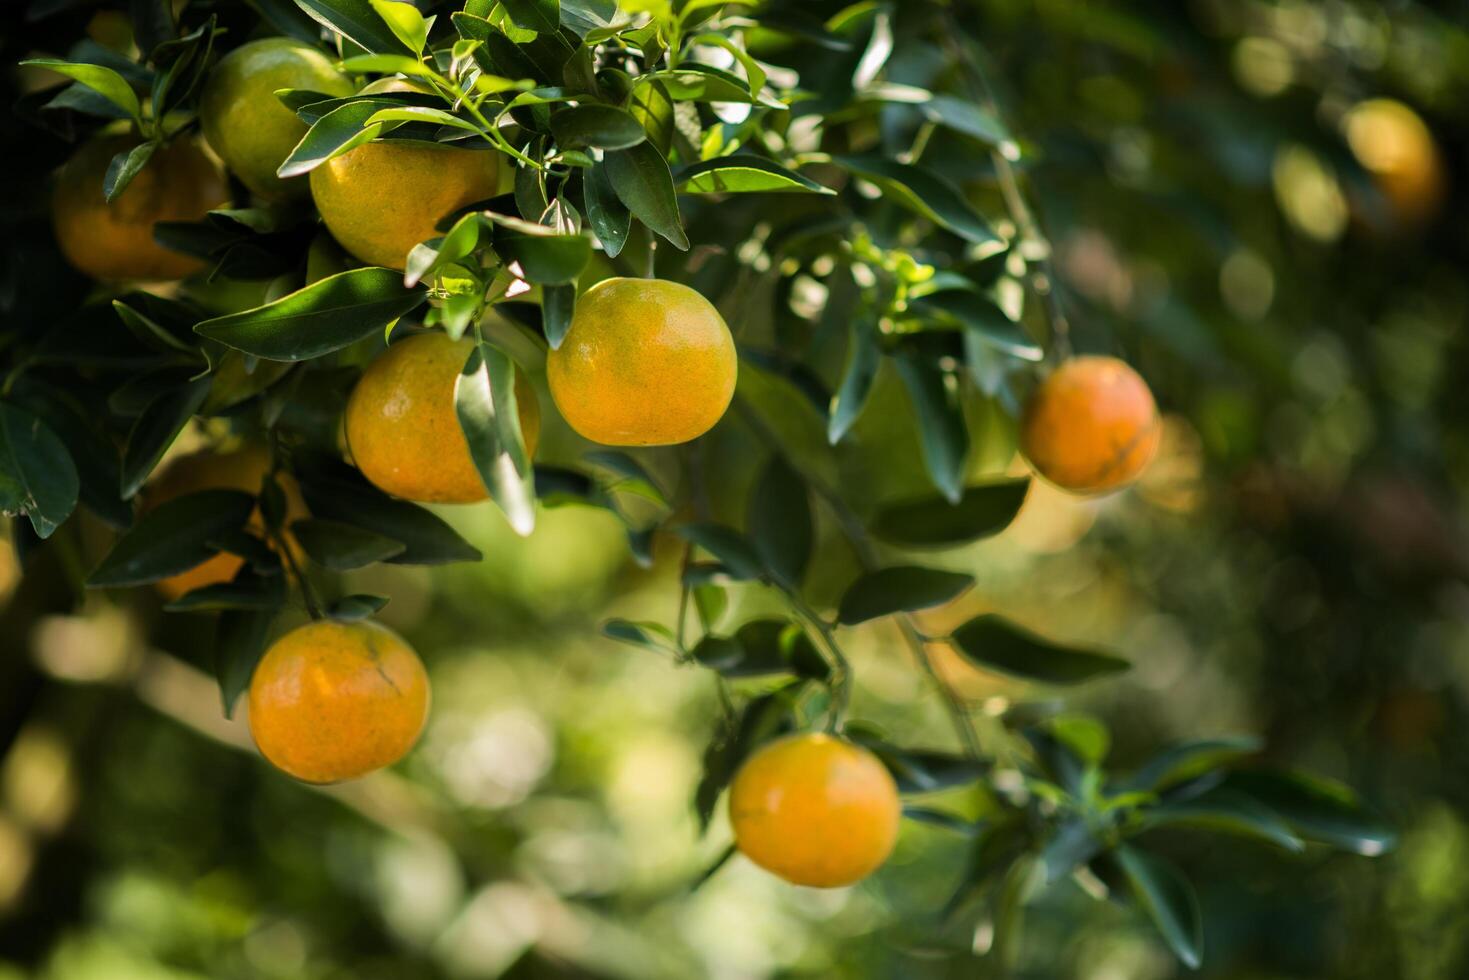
point(332, 701)
point(645, 363)
point(241, 469)
point(252, 130)
point(815, 810)
point(402, 427)
point(115, 241)
point(1092, 426)
point(382, 198)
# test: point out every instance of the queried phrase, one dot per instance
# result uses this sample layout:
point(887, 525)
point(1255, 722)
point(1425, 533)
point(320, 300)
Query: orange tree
point(484, 183)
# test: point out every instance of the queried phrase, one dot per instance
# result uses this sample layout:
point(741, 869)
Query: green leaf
point(1168, 899)
point(156, 429)
point(152, 22)
point(727, 545)
point(654, 636)
point(902, 588)
point(996, 644)
point(744, 174)
point(338, 492)
point(1226, 810)
point(484, 399)
point(941, 427)
point(978, 315)
point(124, 167)
point(247, 591)
point(609, 217)
point(920, 770)
point(780, 522)
point(37, 475)
point(94, 454)
point(404, 20)
point(643, 183)
point(355, 608)
point(541, 16)
point(1317, 809)
point(173, 537)
point(327, 315)
point(634, 477)
point(925, 193)
point(422, 114)
point(548, 259)
point(981, 511)
point(104, 81)
point(344, 128)
point(593, 124)
point(653, 107)
point(761, 648)
point(356, 20)
point(863, 360)
point(1180, 763)
point(342, 547)
point(239, 643)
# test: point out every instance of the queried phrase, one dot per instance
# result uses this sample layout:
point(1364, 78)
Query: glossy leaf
point(1229, 811)
point(124, 167)
point(981, 510)
point(941, 428)
point(997, 644)
point(338, 492)
point(484, 399)
point(726, 544)
point(247, 591)
point(592, 124)
point(156, 429)
point(978, 315)
point(340, 130)
point(100, 79)
point(323, 317)
point(341, 547)
point(643, 183)
point(1317, 809)
point(239, 643)
point(1169, 901)
point(173, 537)
point(541, 16)
point(925, 193)
point(744, 174)
point(1183, 762)
point(901, 588)
point(37, 475)
point(355, 19)
point(863, 360)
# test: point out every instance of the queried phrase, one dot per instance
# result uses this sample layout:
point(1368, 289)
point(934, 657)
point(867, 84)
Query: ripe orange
point(242, 469)
point(815, 810)
point(332, 701)
point(115, 241)
point(402, 427)
point(382, 198)
point(251, 129)
point(1092, 426)
point(645, 363)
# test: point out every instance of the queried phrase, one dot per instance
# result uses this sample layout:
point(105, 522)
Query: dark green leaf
point(942, 818)
point(997, 644)
point(339, 492)
point(173, 537)
point(593, 124)
point(608, 216)
point(546, 259)
point(156, 429)
point(643, 183)
point(340, 130)
point(653, 107)
point(632, 475)
point(934, 522)
point(152, 23)
point(1183, 762)
point(1317, 809)
point(941, 427)
point(761, 718)
point(863, 359)
point(37, 475)
point(541, 16)
point(744, 174)
point(727, 545)
point(760, 648)
point(925, 193)
point(356, 20)
point(780, 522)
point(340, 546)
point(327, 315)
point(102, 80)
point(978, 315)
point(239, 643)
point(1227, 810)
point(902, 588)
point(654, 636)
point(247, 591)
point(1168, 899)
point(96, 457)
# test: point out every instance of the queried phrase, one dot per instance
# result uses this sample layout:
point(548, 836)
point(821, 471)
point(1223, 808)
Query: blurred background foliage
point(1287, 273)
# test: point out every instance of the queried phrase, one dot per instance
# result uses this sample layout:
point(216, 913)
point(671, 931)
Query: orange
point(115, 241)
point(1392, 143)
point(1090, 427)
point(332, 701)
point(644, 363)
point(403, 430)
point(243, 469)
point(815, 810)
point(252, 130)
point(382, 198)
